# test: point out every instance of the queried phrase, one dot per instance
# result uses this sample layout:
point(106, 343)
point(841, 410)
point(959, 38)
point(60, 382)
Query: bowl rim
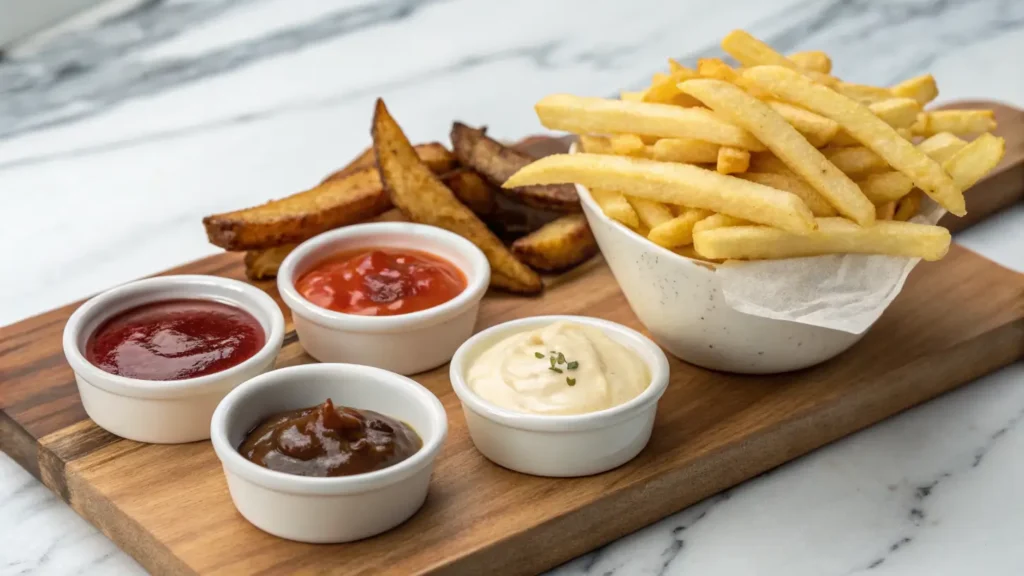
point(197, 286)
point(235, 463)
point(644, 347)
point(478, 276)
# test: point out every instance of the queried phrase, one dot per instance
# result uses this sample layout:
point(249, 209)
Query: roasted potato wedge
point(416, 191)
point(346, 200)
point(472, 190)
point(263, 264)
point(558, 245)
point(438, 158)
point(497, 162)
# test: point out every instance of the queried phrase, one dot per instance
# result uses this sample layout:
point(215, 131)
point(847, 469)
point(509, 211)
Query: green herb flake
point(570, 381)
point(552, 361)
point(561, 358)
point(573, 365)
point(538, 355)
point(553, 369)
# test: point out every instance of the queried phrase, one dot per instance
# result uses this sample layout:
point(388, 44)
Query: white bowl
point(680, 302)
point(405, 343)
point(556, 445)
point(326, 510)
point(165, 412)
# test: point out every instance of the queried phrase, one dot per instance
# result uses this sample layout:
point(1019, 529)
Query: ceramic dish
point(339, 509)
point(406, 343)
point(553, 445)
point(165, 412)
point(680, 302)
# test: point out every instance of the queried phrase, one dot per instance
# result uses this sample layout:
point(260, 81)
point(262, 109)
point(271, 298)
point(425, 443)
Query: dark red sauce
point(381, 282)
point(175, 340)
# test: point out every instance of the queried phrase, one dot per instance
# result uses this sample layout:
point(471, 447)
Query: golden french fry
point(627, 145)
point(975, 160)
point(685, 150)
point(769, 163)
point(675, 66)
point(908, 206)
point(673, 183)
point(651, 212)
point(863, 93)
point(921, 88)
point(865, 127)
point(665, 92)
point(792, 183)
point(885, 211)
point(855, 160)
point(632, 96)
point(885, 187)
point(581, 115)
point(785, 142)
point(900, 113)
point(955, 121)
point(815, 60)
point(615, 206)
point(750, 51)
point(679, 230)
point(596, 144)
point(719, 221)
point(732, 160)
point(833, 236)
point(817, 129)
point(716, 69)
point(942, 146)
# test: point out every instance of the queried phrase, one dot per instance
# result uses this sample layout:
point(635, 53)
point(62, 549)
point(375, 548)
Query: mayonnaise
point(591, 371)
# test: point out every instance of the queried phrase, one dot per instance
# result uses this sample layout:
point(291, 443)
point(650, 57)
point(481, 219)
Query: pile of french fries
point(772, 158)
point(459, 190)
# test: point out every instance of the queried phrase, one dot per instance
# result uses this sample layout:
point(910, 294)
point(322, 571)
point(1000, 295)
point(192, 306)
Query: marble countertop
point(120, 130)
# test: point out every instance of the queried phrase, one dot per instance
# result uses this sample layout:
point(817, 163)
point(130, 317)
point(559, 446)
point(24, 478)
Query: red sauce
point(175, 340)
point(381, 282)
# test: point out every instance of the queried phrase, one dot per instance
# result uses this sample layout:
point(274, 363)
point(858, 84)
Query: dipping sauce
point(175, 340)
point(381, 282)
point(328, 441)
point(564, 368)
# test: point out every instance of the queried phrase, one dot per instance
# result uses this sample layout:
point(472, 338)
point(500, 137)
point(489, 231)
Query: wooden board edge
point(21, 446)
point(998, 348)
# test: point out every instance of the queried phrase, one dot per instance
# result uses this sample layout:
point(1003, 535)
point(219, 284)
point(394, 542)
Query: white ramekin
point(165, 412)
point(326, 510)
point(406, 343)
point(553, 445)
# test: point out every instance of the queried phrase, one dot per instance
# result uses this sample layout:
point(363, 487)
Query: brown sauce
point(327, 441)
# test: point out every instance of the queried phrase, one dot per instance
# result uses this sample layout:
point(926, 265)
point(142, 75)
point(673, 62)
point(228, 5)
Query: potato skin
point(558, 245)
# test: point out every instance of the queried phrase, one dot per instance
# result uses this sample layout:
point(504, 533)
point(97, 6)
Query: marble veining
point(120, 131)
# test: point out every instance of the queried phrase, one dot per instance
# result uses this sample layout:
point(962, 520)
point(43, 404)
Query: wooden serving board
point(168, 506)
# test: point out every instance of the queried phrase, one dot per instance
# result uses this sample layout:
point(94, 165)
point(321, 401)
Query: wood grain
point(168, 506)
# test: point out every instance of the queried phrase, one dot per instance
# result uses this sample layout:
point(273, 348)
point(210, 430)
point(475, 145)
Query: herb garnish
point(538, 355)
point(570, 381)
point(573, 365)
point(557, 358)
point(553, 369)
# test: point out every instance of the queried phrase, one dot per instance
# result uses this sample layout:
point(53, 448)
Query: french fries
point(418, 193)
point(353, 198)
point(975, 160)
point(855, 160)
point(732, 160)
point(433, 154)
point(865, 127)
point(651, 212)
point(719, 221)
point(815, 60)
point(679, 230)
point(785, 142)
point(833, 235)
point(942, 146)
point(955, 121)
point(885, 187)
point(496, 162)
point(581, 115)
point(673, 184)
point(616, 206)
point(908, 206)
point(559, 244)
point(792, 183)
point(684, 150)
point(817, 129)
point(885, 211)
point(921, 88)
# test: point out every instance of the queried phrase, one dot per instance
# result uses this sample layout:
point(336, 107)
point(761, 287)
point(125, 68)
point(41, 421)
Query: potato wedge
point(582, 115)
point(673, 183)
point(496, 162)
point(438, 158)
point(472, 190)
point(352, 198)
point(860, 123)
point(558, 245)
point(833, 236)
point(415, 190)
point(785, 142)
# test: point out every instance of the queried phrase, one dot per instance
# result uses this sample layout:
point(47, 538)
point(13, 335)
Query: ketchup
point(381, 282)
point(175, 340)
